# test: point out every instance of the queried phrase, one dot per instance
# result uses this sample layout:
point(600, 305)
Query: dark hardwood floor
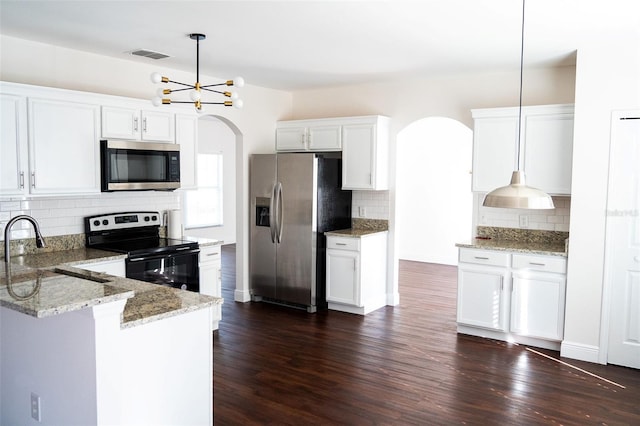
point(402, 365)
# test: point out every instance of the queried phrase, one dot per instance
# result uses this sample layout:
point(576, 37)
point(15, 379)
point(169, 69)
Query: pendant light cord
point(520, 104)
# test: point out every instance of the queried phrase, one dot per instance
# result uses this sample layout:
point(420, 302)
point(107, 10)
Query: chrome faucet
point(7, 232)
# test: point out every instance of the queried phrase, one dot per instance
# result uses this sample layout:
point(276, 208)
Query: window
point(203, 206)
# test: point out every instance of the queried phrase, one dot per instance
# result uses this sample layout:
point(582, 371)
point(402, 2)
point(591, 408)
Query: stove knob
point(146, 218)
point(183, 287)
point(105, 222)
point(96, 223)
point(154, 218)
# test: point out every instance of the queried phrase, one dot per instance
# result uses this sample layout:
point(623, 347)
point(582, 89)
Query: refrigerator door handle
point(272, 212)
point(279, 212)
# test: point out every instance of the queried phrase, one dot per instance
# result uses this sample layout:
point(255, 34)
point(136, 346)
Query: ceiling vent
point(149, 54)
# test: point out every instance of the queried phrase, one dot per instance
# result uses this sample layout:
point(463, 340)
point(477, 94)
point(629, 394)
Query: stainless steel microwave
point(137, 166)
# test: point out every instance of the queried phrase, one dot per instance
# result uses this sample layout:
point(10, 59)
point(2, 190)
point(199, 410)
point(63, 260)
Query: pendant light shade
point(517, 195)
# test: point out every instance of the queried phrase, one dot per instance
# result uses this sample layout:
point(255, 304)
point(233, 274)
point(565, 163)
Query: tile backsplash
point(545, 220)
point(65, 215)
point(370, 204)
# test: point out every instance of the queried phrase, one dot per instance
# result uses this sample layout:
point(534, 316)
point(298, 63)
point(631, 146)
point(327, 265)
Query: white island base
point(82, 368)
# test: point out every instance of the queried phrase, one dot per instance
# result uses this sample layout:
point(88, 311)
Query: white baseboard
point(580, 351)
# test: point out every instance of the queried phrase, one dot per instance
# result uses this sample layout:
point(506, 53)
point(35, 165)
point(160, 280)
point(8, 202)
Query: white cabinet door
point(120, 123)
point(537, 304)
point(210, 271)
point(133, 124)
point(482, 296)
point(546, 147)
point(211, 277)
point(358, 156)
point(494, 152)
point(187, 138)
point(13, 144)
point(291, 139)
point(157, 126)
point(343, 282)
point(63, 145)
point(324, 138)
point(365, 154)
point(548, 152)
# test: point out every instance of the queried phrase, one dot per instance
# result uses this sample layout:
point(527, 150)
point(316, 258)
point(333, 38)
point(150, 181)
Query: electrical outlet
point(35, 407)
point(524, 221)
point(362, 211)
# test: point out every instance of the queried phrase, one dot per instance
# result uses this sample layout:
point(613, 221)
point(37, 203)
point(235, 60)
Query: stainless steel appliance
point(295, 198)
point(165, 261)
point(134, 166)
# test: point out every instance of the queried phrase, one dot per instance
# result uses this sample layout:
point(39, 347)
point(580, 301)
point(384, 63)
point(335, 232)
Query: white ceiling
point(293, 45)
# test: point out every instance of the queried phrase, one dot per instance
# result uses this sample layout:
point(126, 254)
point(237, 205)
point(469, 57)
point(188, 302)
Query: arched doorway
point(434, 202)
point(241, 238)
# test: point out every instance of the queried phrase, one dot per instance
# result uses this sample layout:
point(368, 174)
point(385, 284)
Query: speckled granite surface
point(361, 227)
point(519, 240)
point(55, 243)
point(79, 289)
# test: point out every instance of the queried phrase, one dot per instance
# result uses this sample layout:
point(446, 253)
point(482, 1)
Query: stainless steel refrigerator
point(295, 198)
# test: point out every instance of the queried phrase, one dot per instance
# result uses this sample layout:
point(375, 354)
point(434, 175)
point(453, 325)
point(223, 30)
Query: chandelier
point(195, 90)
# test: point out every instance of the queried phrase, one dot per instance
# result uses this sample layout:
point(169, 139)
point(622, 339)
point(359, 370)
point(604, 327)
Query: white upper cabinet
point(13, 144)
point(134, 124)
point(63, 147)
point(308, 135)
point(546, 147)
point(365, 145)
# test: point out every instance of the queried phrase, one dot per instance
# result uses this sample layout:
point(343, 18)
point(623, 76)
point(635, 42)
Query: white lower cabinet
point(482, 299)
point(357, 273)
point(211, 277)
point(537, 300)
point(512, 296)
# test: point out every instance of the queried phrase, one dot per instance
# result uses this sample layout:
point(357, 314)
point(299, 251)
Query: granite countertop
point(353, 232)
point(64, 288)
point(532, 247)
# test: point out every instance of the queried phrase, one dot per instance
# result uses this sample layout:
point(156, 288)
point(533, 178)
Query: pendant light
point(517, 195)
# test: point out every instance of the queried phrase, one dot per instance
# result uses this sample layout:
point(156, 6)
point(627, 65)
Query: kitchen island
point(82, 347)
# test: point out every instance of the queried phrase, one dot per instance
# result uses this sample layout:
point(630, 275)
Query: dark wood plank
point(398, 365)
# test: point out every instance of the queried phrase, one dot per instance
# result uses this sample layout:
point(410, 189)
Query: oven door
point(177, 270)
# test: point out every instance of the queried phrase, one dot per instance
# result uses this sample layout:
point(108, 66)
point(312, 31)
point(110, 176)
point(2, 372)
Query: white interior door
point(623, 240)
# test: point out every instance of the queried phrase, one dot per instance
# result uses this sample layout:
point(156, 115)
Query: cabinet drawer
point(484, 257)
point(555, 264)
point(210, 254)
point(343, 243)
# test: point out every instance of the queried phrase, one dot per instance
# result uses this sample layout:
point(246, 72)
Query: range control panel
point(124, 220)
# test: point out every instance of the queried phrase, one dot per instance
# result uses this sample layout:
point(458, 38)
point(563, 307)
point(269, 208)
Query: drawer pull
point(481, 258)
point(211, 254)
point(341, 244)
point(536, 264)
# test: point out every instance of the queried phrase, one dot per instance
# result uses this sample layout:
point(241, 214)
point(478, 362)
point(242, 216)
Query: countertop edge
point(503, 246)
point(354, 233)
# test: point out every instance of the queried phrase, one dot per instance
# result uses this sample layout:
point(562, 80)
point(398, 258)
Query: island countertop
point(65, 288)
